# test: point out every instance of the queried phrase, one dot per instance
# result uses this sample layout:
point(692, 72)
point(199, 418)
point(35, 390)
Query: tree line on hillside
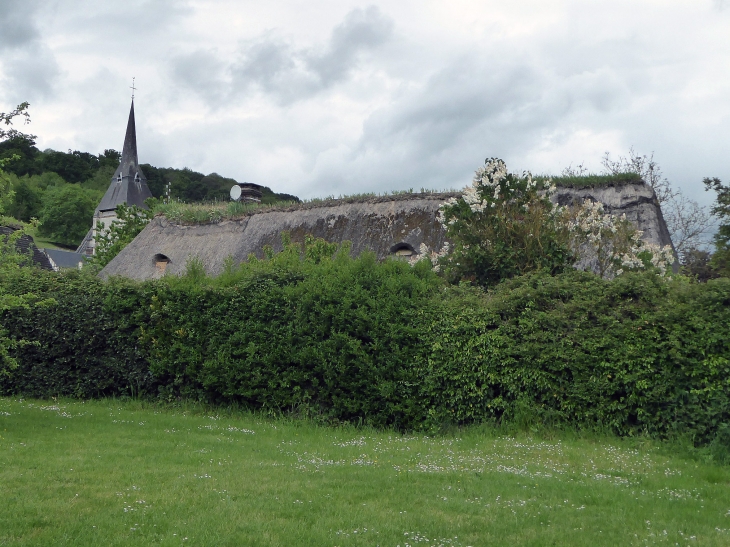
point(62, 189)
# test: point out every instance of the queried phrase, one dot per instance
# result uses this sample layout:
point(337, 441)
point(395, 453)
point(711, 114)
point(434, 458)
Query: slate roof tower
point(128, 186)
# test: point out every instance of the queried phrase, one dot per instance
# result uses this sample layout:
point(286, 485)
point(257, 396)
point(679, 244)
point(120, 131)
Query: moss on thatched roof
point(203, 213)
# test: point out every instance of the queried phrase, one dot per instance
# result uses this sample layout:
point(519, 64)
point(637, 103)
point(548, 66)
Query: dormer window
point(119, 177)
point(161, 262)
point(137, 178)
point(402, 250)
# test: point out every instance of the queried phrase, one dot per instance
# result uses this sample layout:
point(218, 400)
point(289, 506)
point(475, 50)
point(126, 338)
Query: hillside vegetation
point(62, 189)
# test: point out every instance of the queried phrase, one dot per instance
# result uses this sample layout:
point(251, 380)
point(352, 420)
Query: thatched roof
point(379, 224)
point(375, 226)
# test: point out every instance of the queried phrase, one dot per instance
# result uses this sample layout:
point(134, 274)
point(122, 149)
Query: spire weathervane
point(133, 88)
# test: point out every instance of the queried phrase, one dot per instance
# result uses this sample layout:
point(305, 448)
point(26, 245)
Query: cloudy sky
point(329, 97)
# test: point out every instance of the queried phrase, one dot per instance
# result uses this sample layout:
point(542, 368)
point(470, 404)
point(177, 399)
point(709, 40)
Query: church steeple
point(128, 185)
point(129, 151)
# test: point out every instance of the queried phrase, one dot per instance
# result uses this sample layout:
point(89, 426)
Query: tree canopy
point(67, 213)
point(721, 209)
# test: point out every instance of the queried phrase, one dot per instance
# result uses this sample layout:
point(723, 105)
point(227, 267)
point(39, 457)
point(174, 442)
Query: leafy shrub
point(721, 209)
point(310, 329)
point(502, 226)
point(609, 245)
point(505, 225)
point(131, 220)
point(633, 355)
point(314, 331)
point(84, 342)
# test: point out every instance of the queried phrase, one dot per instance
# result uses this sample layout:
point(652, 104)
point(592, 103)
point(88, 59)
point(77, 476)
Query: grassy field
point(124, 473)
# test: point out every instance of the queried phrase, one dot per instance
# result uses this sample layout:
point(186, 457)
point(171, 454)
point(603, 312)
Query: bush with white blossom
point(610, 245)
point(503, 225)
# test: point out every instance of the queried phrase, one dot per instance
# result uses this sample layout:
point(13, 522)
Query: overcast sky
point(330, 97)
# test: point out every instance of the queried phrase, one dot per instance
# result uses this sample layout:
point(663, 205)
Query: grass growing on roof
point(202, 213)
point(124, 473)
point(593, 180)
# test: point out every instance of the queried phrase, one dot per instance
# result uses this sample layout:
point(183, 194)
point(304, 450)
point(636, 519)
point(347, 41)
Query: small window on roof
point(161, 262)
point(402, 249)
point(119, 177)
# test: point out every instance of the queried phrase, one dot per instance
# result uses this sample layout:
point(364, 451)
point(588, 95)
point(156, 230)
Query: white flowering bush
point(503, 225)
point(434, 257)
point(610, 245)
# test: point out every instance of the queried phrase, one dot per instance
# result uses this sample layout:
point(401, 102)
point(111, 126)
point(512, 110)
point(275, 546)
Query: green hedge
point(389, 345)
point(337, 338)
point(80, 346)
point(637, 354)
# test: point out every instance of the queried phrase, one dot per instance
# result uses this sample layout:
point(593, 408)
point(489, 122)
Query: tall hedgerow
point(317, 332)
point(309, 329)
point(638, 354)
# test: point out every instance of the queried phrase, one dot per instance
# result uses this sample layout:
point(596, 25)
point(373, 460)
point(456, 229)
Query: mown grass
point(126, 473)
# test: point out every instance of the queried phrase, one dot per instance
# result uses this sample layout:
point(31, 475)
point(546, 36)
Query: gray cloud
point(453, 101)
point(132, 21)
point(482, 104)
point(28, 67)
point(30, 73)
point(438, 128)
point(274, 67)
point(17, 26)
point(202, 71)
point(282, 71)
point(486, 108)
point(362, 30)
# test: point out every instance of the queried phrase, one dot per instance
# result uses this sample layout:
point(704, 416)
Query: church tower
point(128, 186)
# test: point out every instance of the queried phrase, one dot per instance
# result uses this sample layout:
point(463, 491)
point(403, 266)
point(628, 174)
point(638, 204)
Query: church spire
point(128, 185)
point(129, 151)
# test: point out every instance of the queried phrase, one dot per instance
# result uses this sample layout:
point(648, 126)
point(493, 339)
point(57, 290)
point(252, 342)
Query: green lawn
point(122, 473)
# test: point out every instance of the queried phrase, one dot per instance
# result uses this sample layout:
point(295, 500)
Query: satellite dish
point(236, 193)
